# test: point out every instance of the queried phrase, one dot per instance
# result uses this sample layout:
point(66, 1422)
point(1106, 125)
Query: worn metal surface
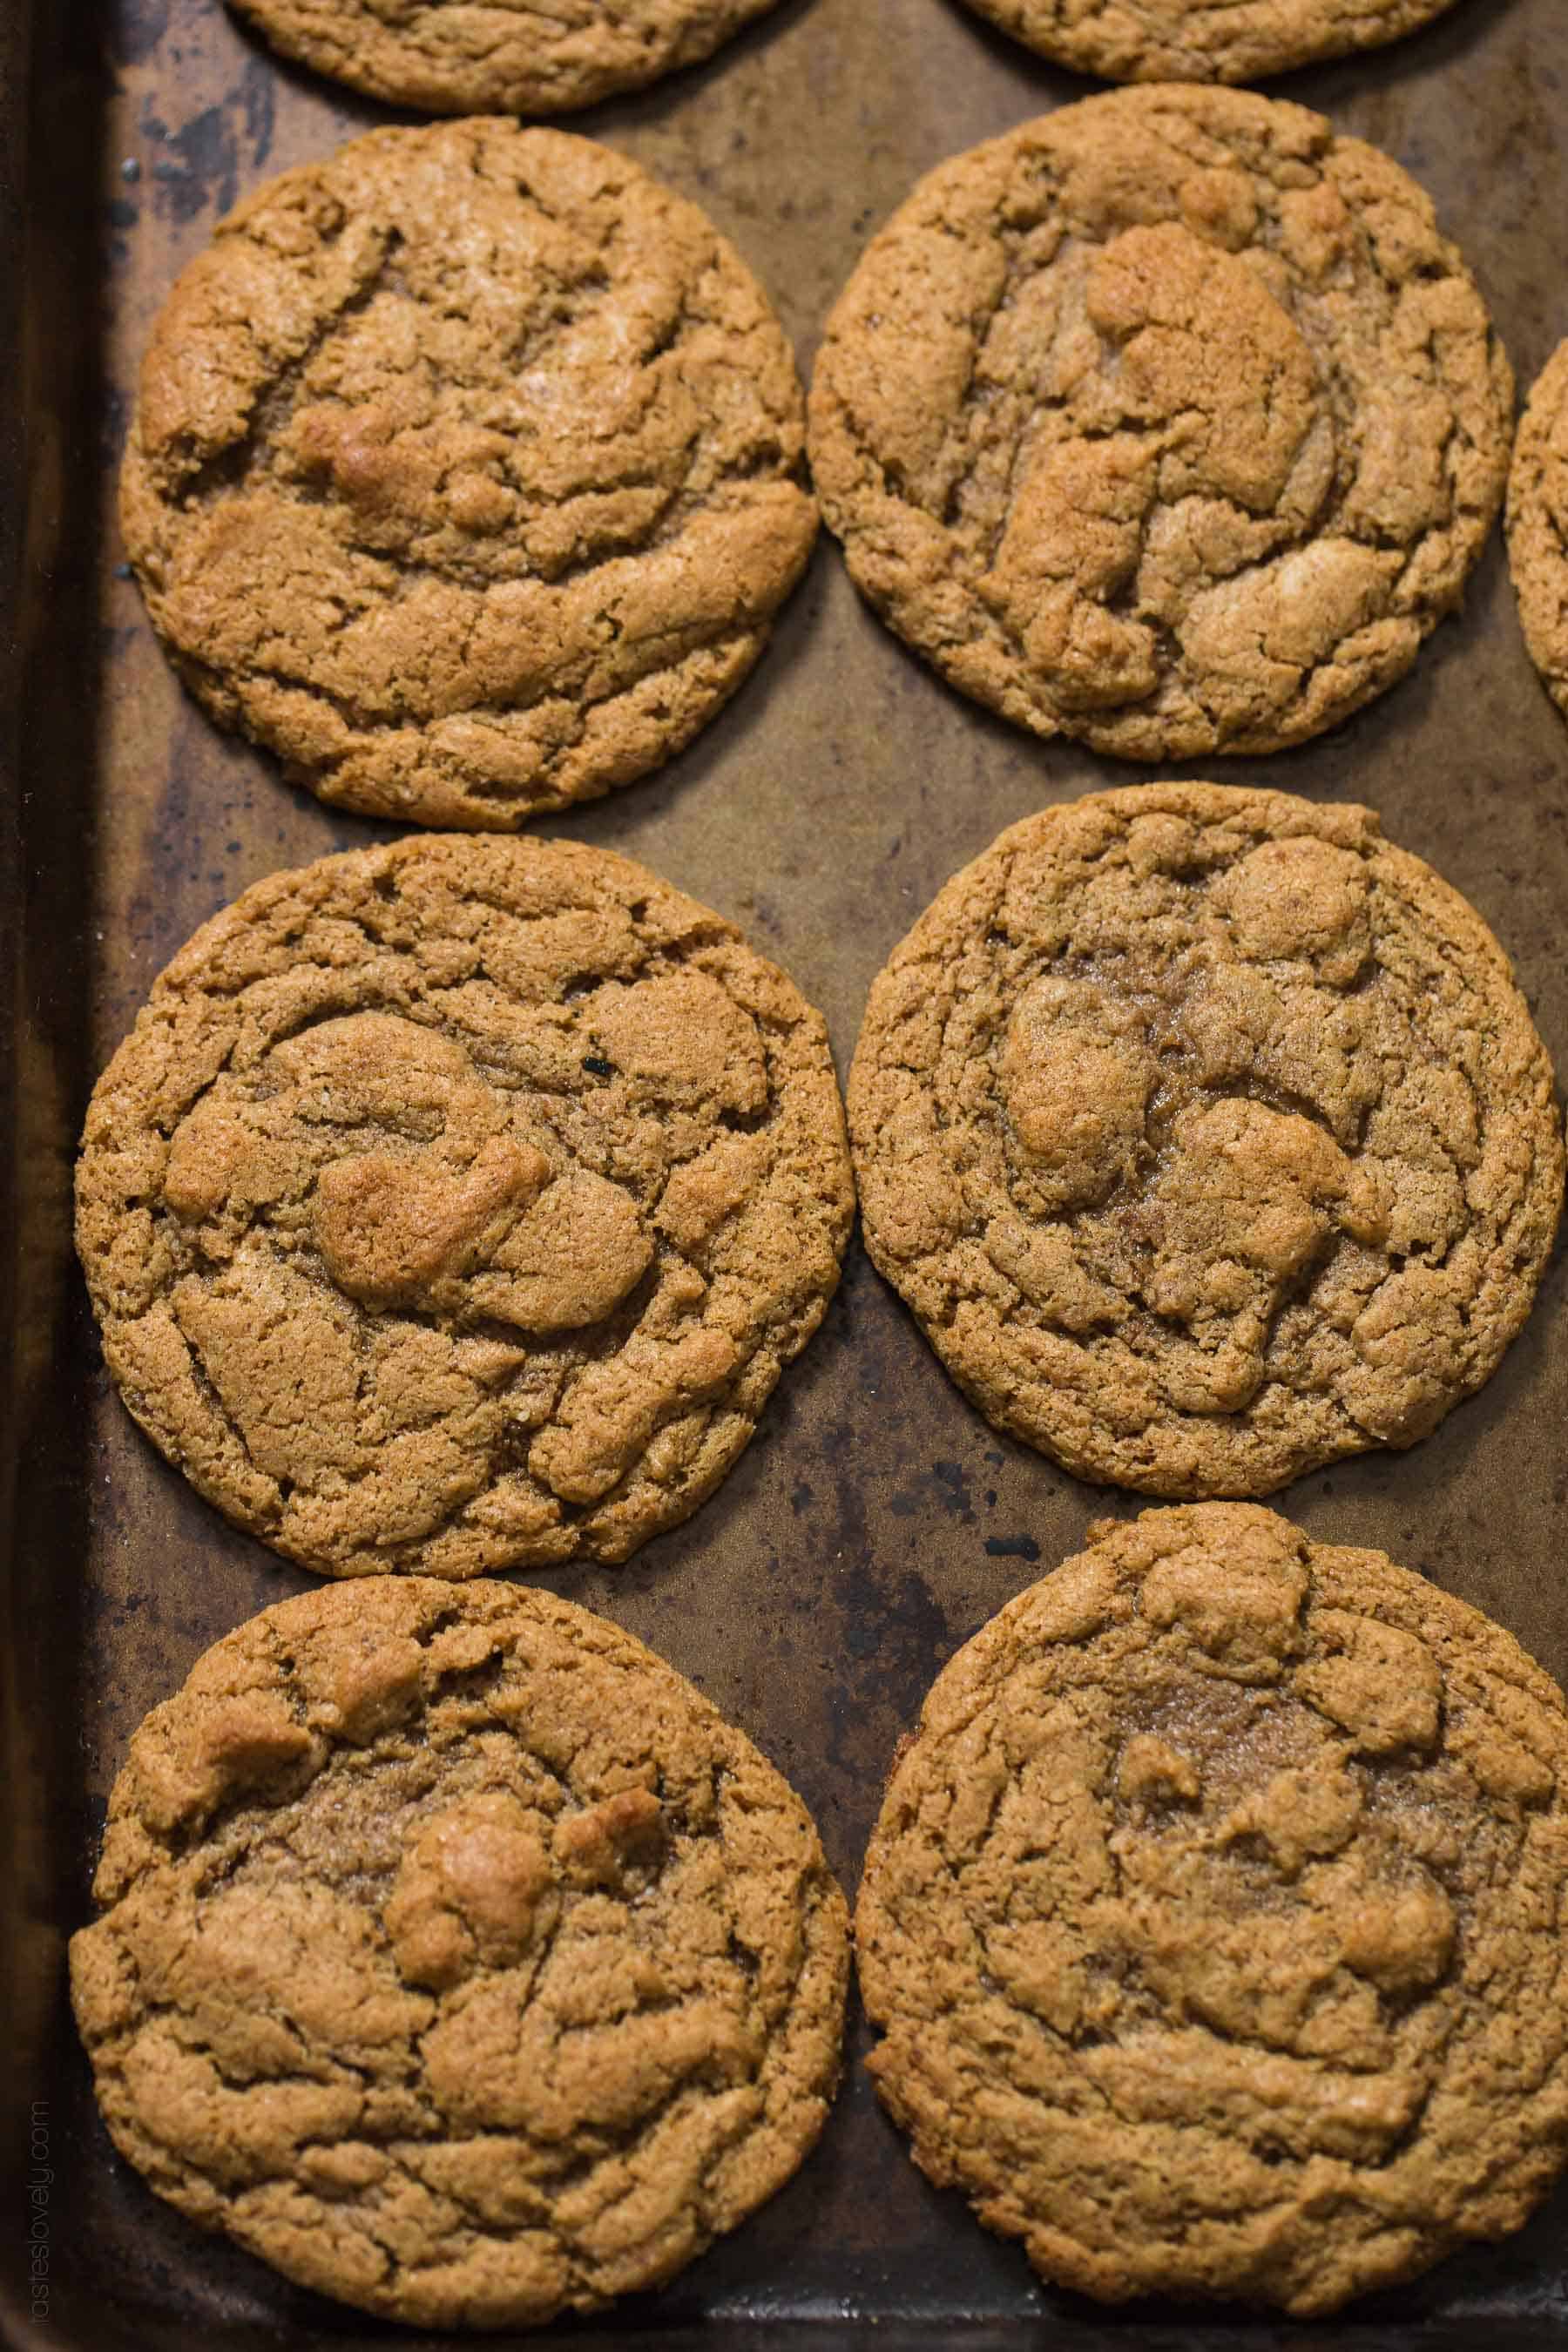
point(875, 1521)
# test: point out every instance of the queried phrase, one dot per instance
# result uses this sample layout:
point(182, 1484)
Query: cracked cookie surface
point(467, 473)
point(454, 1205)
point(1538, 525)
point(457, 1956)
point(1207, 1135)
point(1168, 421)
point(1203, 41)
point(511, 56)
point(1212, 1918)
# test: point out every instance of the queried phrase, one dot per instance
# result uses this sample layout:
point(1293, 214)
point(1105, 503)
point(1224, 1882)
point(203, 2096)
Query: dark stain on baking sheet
point(200, 168)
point(876, 1521)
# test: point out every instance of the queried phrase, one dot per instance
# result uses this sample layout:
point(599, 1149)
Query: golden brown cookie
point(1212, 1920)
point(457, 1956)
point(1538, 525)
point(1168, 421)
point(467, 473)
point(509, 56)
point(1207, 1135)
point(1203, 41)
point(454, 1205)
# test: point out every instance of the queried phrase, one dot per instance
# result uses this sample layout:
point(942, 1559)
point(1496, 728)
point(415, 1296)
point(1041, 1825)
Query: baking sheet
point(876, 1520)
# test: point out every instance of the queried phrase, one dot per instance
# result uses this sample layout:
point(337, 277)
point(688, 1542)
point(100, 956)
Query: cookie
point(1203, 41)
point(454, 1205)
point(1207, 1135)
point(1168, 421)
point(465, 473)
point(452, 56)
point(1538, 525)
point(457, 1956)
point(1211, 1921)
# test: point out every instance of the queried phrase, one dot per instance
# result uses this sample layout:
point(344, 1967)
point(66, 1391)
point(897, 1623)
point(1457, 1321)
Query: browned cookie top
point(1213, 1919)
point(454, 1205)
point(1207, 1135)
point(1168, 421)
point(465, 473)
point(1538, 524)
point(511, 56)
point(457, 1956)
point(1203, 41)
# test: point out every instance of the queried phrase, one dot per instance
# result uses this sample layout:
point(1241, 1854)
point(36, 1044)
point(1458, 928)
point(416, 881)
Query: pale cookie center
point(482, 1885)
point(471, 1891)
point(1208, 394)
point(399, 470)
point(1208, 362)
point(1249, 1199)
point(1305, 900)
point(1076, 1078)
point(467, 1218)
point(507, 1239)
point(389, 1229)
point(614, 1843)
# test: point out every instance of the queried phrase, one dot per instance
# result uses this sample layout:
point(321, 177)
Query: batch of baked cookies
point(455, 1203)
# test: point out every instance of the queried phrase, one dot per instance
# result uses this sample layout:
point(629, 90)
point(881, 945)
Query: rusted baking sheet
point(876, 1520)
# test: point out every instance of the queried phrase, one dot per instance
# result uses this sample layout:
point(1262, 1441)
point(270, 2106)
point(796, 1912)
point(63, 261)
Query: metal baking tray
point(875, 1521)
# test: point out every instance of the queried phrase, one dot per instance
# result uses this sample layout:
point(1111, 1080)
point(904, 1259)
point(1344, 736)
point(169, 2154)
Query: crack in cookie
point(1210, 1921)
point(456, 1206)
point(456, 1957)
point(1168, 421)
point(1207, 1137)
point(467, 473)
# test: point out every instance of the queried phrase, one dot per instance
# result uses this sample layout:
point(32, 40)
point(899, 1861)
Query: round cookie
point(1207, 1135)
point(1211, 1920)
point(1538, 525)
point(1168, 421)
point(507, 57)
point(454, 1205)
point(467, 473)
point(457, 1956)
point(1203, 41)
